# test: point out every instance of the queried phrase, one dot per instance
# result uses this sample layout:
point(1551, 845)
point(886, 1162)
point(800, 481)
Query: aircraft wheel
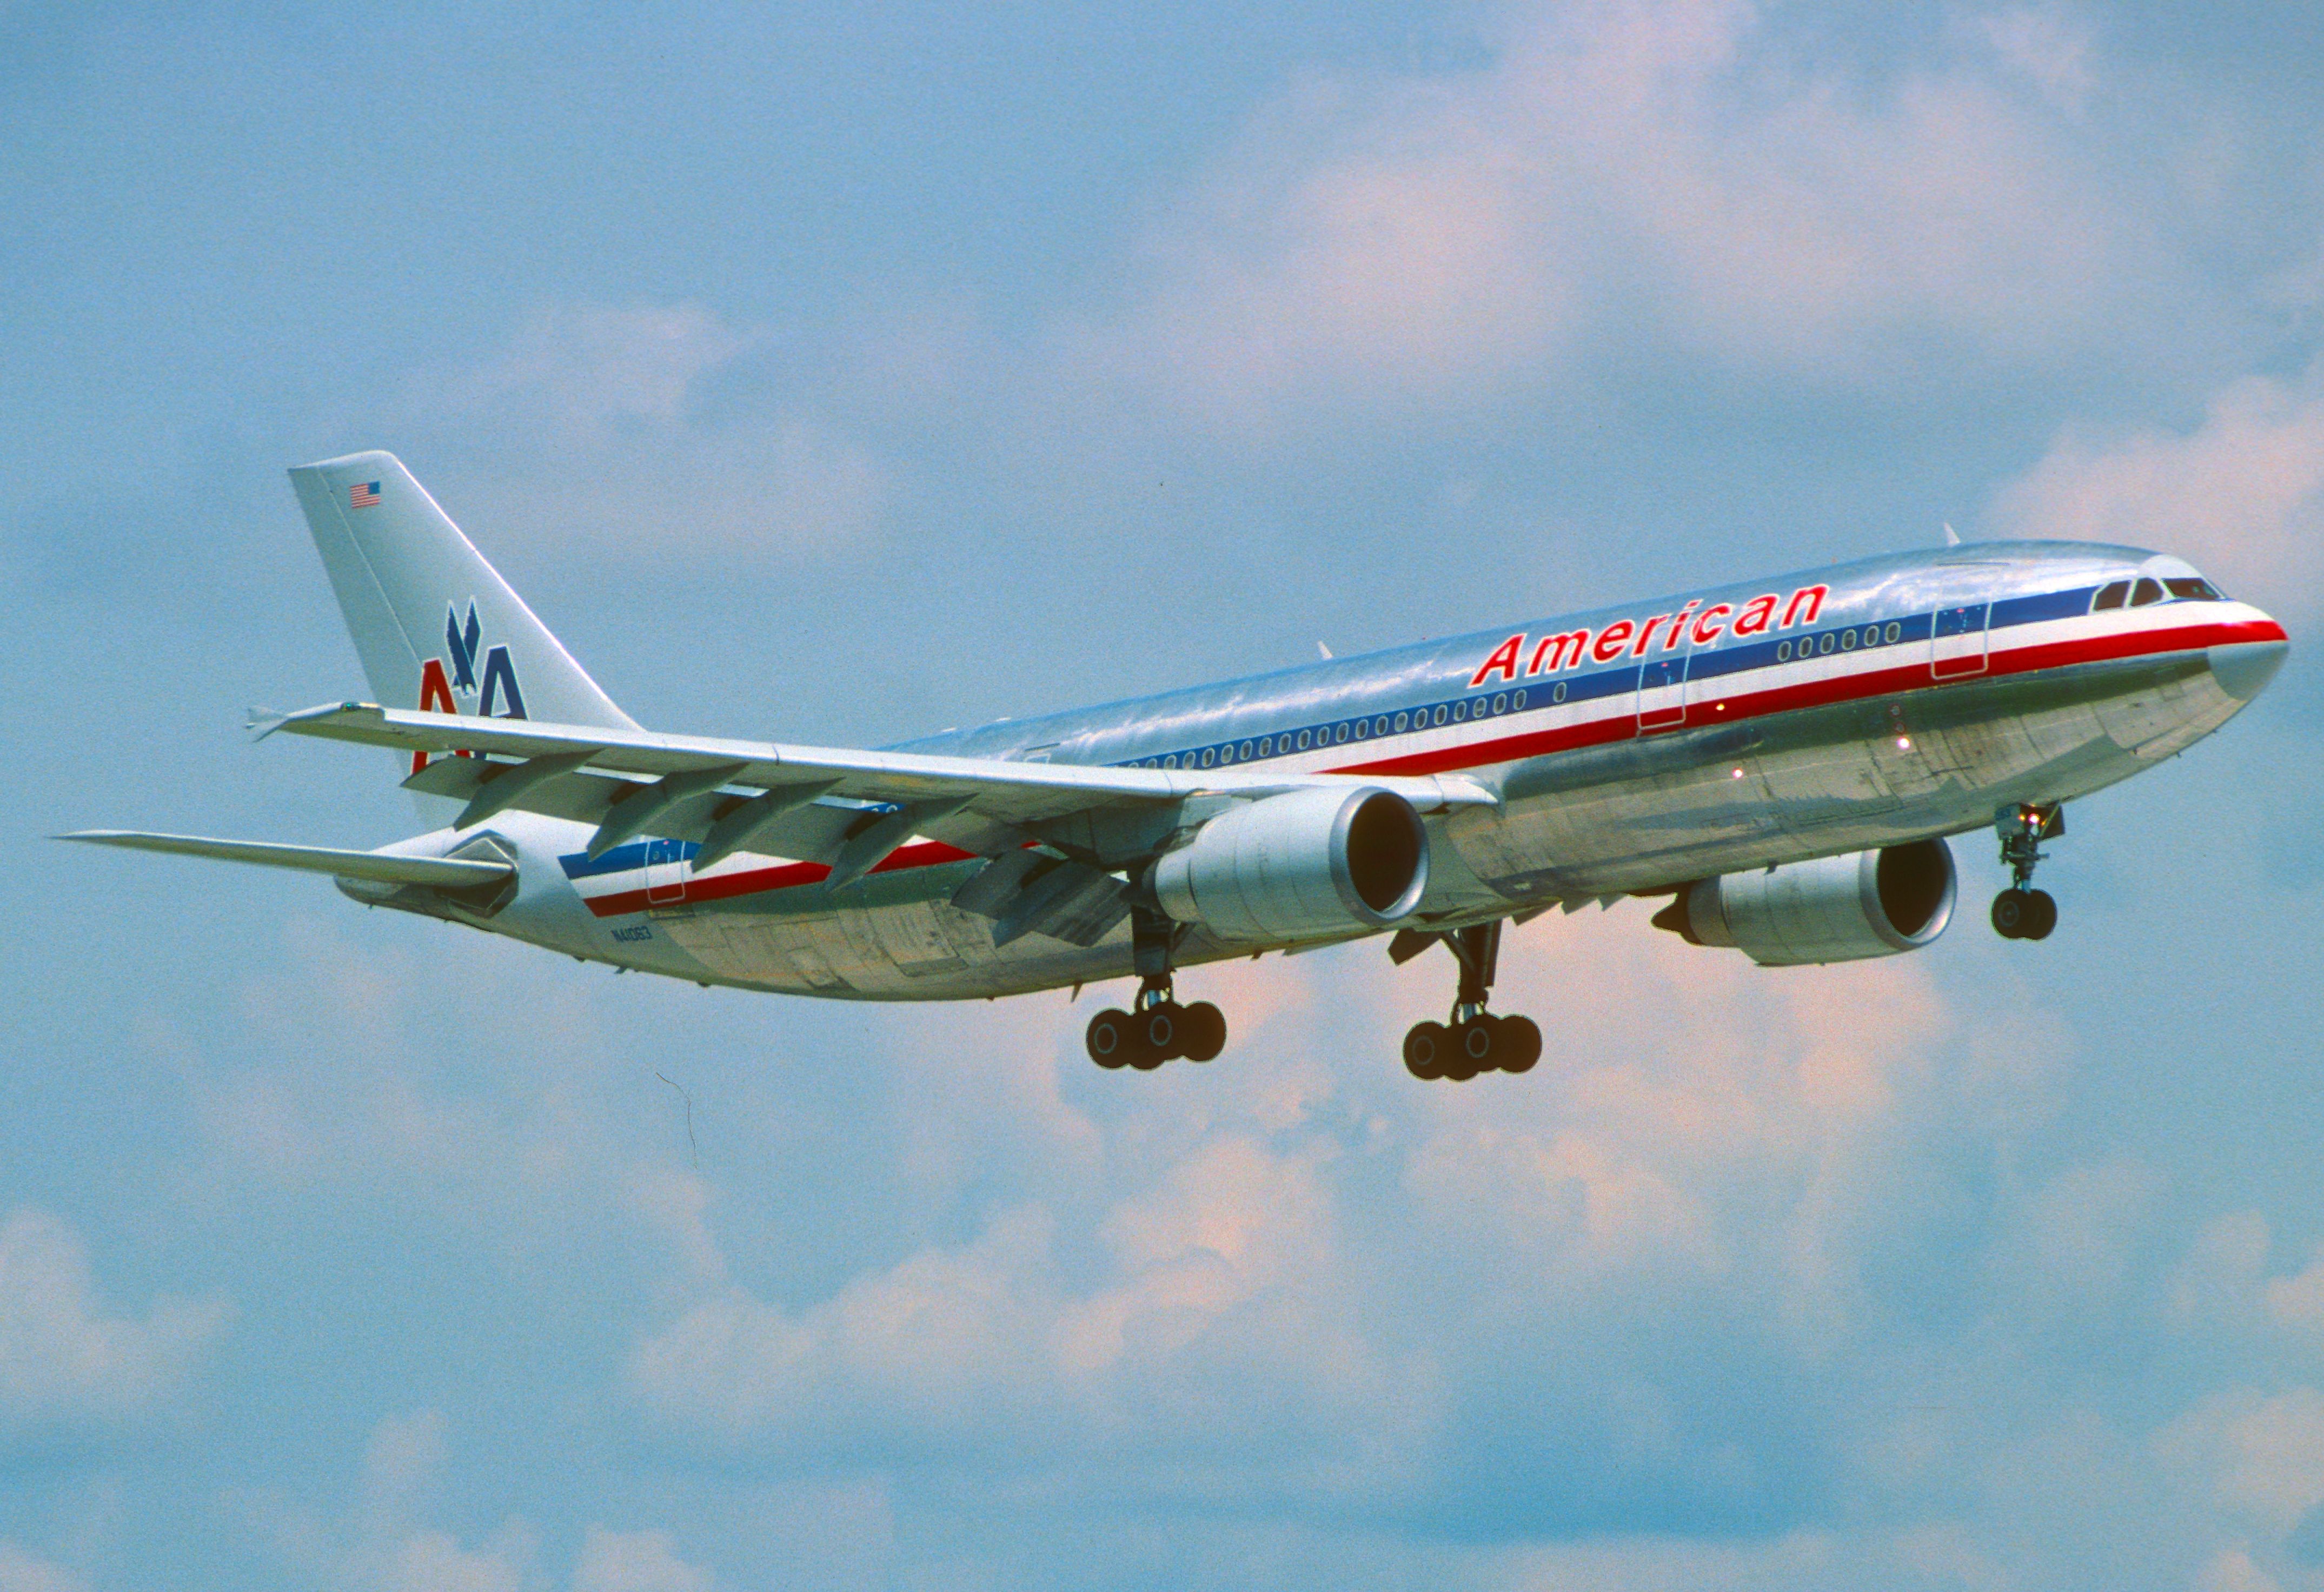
point(1516, 1045)
point(1205, 1028)
point(1109, 1038)
point(2043, 918)
point(1468, 1049)
point(1426, 1048)
point(1161, 1031)
point(2013, 912)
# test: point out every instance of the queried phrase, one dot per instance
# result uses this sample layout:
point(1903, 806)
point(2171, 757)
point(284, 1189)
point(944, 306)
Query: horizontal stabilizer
point(380, 866)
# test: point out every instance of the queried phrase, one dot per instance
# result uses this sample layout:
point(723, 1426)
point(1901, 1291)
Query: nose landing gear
point(1475, 1040)
point(2022, 912)
point(1156, 1028)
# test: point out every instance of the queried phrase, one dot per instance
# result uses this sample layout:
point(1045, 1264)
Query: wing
point(381, 867)
point(847, 809)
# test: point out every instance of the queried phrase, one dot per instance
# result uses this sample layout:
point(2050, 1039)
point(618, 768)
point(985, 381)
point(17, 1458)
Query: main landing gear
point(2022, 912)
point(1475, 1040)
point(1156, 1028)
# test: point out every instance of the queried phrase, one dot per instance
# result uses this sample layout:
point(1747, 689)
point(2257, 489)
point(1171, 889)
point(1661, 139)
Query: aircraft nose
point(2244, 668)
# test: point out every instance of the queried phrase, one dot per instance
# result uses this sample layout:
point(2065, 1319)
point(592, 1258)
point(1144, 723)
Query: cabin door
point(1956, 643)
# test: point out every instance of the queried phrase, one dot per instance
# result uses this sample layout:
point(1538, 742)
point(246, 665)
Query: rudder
point(435, 625)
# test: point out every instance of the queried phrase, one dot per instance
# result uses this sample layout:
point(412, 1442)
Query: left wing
point(379, 867)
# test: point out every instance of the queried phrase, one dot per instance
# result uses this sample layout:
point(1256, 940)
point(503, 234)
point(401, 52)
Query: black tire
point(2042, 918)
point(2011, 913)
point(1479, 1040)
point(1204, 1027)
point(1109, 1038)
point(1516, 1046)
point(1468, 1049)
point(1161, 1029)
point(1425, 1047)
point(1145, 1057)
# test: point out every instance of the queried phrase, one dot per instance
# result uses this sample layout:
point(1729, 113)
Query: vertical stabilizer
point(435, 625)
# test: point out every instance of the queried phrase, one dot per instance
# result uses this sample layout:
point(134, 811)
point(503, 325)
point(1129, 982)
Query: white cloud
point(2241, 495)
point(2050, 46)
point(634, 1562)
point(1260, 1263)
point(2262, 1457)
point(589, 365)
point(597, 425)
point(1625, 173)
point(2232, 1569)
point(21, 1571)
point(61, 1357)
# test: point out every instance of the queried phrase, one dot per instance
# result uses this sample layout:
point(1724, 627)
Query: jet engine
point(1834, 909)
point(1305, 864)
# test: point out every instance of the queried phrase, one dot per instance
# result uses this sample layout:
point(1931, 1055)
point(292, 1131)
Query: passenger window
point(1304, 740)
point(2146, 592)
point(2110, 595)
point(1894, 631)
point(1208, 756)
point(1501, 703)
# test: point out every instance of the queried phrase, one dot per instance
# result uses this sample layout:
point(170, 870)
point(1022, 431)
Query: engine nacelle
point(1834, 909)
point(1305, 864)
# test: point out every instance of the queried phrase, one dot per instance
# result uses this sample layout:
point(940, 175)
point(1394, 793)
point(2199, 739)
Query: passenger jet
point(1779, 761)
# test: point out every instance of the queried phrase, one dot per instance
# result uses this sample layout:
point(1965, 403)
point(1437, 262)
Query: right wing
point(848, 809)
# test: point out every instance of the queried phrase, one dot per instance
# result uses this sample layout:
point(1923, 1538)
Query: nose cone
point(2244, 668)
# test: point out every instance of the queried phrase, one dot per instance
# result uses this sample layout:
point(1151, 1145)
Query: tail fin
point(435, 625)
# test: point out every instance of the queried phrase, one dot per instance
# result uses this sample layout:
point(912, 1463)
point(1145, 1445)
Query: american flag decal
point(364, 495)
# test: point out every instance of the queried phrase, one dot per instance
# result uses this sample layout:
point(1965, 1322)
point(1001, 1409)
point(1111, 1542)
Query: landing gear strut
point(1156, 1028)
point(1475, 1040)
point(2022, 912)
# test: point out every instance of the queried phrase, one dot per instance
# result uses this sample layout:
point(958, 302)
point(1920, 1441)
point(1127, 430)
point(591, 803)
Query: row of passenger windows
point(2143, 592)
point(1347, 729)
point(1844, 641)
point(2123, 594)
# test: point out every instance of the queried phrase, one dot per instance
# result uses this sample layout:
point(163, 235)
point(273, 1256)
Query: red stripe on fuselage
point(1738, 707)
point(702, 887)
point(1621, 726)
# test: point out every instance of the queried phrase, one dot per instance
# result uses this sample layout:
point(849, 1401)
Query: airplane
point(1782, 760)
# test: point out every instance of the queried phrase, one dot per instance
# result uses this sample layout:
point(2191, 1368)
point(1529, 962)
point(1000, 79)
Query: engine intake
point(1297, 865)
point(1834, 909)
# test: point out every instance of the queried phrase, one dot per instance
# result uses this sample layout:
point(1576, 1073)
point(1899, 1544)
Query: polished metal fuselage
point(1874, 703)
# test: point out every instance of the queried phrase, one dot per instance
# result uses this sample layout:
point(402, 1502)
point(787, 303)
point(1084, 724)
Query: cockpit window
point(2196, 590)
point(2146, 592)
point(2110, 595)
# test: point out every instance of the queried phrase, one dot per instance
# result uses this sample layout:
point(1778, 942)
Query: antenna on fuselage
point(1953, 537)
point(1324, 650)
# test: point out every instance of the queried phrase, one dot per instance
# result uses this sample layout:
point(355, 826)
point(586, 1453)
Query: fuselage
point(1631, 749)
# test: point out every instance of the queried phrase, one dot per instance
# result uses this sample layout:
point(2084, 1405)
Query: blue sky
point(848, 378)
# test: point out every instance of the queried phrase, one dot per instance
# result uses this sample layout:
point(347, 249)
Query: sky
point(844, 377)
